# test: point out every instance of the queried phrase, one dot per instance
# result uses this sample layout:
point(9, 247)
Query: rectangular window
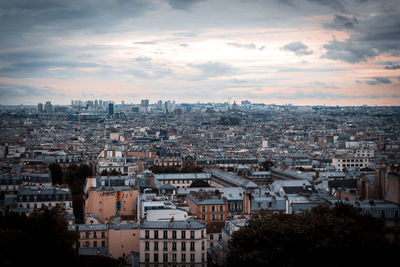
point(86, 244)
point(147, 234)
point(156, 246)
point(156, 234)
point(203, 216)
point(202, 257)
point(192, 234)
point(165, 257)
point(202, 245)
point(103, 234)
point(103, 244)
point(212, 208)
point(213, 217)
point(165, 234)
point(202, 233)
point(156, 257)
point(174, 257)
point(95, 244)
point(174, 246)
point(147, 257)
point(221, 217)
point(191, 246)
point(382, 213)
point(94, 234)
point(87, 234)
point(221, 208)
point(396, 214)
point(183, 234)
point(147, 245)
point(173, 234)
point(191, 257)
point(211, 236)
point(203, 208)
point(165, 245)
point(183, 257)
point(183, 246)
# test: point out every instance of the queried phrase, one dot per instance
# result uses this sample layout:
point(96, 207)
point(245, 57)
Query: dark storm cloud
point(334, 4)
point(298, 48)
point(348, 51)
point(342, 22)
point(371, 36)
point(391, 66)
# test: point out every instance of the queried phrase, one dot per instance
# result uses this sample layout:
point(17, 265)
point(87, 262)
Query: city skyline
point(309, 52)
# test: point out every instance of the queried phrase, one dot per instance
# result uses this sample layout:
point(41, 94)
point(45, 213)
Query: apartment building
point(173, 243)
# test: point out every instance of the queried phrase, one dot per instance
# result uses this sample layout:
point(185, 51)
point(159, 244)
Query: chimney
point(171, 221)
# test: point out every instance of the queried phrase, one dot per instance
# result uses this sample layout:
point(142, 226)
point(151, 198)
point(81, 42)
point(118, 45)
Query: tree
point(199, 183)
point(321, 237)
point(56, 173)
point(41, 239)
point(267, 165)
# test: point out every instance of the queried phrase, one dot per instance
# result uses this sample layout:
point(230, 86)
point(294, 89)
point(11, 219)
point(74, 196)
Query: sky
point(303, 52)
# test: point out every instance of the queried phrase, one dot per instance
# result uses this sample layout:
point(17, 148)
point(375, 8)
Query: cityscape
point(199, 133)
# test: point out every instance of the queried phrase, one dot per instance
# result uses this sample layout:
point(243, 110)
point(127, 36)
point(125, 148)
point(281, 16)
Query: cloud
point(391, 66)
point(10, 90)
point(323, 85)
point(213, 69)
point(239, 45)
point(342, 22)
point(182, 4)
point(142, 59)
point(298, 48)
point(334, 4)
point(348, 51)
point(379, 80)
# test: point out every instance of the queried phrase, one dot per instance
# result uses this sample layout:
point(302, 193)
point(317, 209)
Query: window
point(202, 257)
point(382, 213)
point(213, 208)
point(174, 257)
point(221, 208)
point(202, 233)
point(203, 208)
point(156, 246)
point(94, 234)
point(173, 234)
point(191, 246)
point(191, 257)
point(396, 214)
point(165, 234)
point(183, 234)
point(221, 217)
point(219, 236)
point(28, 206)
point(202, 245)
point(183, 246)
point(211, 236)
point(147, 234)
point(147, 245)
point(165, 245)
point(213, 217)
point(35, 206)
point(95, 244)
point(232, 206)
point(103, 234)
point(103, 243)
point(147, 257)
point(173, 245)
point(165, 257)
point(87, 234)
point(183, 257)
point(155, 233)
point(192, 234)
point(203, 216)
point(211, 244)
point(86, 244)
point(156, 257)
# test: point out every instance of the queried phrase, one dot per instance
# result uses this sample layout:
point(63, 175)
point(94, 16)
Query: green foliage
point(75, 177)
point(113, 172)
point(56, 173)
point(267, 165)
point(199, 183)
point(41, 239)
point(322, 237)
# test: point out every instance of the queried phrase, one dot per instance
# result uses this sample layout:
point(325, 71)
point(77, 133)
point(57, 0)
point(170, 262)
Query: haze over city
point(308, 52)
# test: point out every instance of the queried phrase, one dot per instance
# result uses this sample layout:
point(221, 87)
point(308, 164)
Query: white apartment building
point(345, 162)
point(173, 243)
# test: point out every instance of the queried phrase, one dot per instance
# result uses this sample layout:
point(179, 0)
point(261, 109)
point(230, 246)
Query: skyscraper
point(111, 109)
point(40, 107)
